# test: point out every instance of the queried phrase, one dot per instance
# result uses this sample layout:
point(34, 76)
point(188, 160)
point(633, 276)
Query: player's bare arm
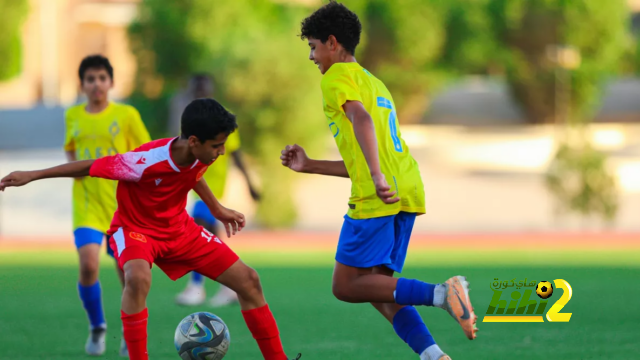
point(232, 220)
point(365, 133)
point(71, 155)
point(72, 169)
point(295, 158)
point(237, 159)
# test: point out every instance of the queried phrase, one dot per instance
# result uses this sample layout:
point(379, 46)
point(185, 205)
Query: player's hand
point(383, 190)
point(294, 157)
point(16, 178)
point(232, 220)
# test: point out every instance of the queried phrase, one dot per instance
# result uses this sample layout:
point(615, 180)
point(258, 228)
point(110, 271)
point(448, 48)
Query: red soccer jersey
point(152, 189)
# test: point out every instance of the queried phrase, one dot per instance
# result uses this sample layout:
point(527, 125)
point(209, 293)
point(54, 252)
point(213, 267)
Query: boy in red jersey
point(151, 224)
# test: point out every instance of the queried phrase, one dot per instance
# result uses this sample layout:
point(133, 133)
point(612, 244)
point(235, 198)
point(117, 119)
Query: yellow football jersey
point(115, 130)
point(351, 82)
point(216, 175)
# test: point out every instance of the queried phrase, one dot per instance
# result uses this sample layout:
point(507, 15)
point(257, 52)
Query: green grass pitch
point(41, 316)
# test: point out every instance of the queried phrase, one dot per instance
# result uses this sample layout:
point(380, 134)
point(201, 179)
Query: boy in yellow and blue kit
point(95, 129)
point(387, 192)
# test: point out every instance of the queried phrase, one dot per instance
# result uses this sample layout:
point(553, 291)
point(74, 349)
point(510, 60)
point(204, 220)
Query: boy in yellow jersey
point(386, 193)
point(201, 86)
point(95, 129)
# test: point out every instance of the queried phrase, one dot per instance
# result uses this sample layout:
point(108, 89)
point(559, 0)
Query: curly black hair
point(95, 62)
point(206, 119)
point(333, 19)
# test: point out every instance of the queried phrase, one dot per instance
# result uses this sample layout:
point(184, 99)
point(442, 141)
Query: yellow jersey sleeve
point(138, 133)
point(339, 87)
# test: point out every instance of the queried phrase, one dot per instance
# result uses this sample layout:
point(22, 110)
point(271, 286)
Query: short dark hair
point(206, 119)
point(333, 19)
point(96, 62)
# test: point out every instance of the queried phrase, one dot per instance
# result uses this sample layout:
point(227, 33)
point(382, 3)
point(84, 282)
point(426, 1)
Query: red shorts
point(196, 250)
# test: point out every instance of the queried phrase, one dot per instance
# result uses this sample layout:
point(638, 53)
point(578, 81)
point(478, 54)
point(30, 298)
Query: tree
point(261, 69)
point(523, 39)
point(579, 180)
point(402, 43)
point(517, 36)
point(12, 16)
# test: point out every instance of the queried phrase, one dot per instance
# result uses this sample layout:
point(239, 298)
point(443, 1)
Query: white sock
point(196, 284)
point(433, 352)
point(438, 296)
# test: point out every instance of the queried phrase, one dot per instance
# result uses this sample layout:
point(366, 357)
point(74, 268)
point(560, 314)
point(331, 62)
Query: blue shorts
point(378, 241)
point(201, 211)
point(84, 236)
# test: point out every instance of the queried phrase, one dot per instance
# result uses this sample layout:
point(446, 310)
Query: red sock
point(264, 329)
point(135, 334)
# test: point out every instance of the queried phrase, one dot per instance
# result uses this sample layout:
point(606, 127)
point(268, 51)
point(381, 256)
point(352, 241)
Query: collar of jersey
point(172, 163)
point(348, 64)
point(106, 110)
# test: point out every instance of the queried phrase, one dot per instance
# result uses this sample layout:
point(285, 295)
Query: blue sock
point(409, 326)
point(197, 278)
point(414, 292)
point(91, 297)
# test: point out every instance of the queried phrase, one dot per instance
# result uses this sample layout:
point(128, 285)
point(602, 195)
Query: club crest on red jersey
point(138, 236)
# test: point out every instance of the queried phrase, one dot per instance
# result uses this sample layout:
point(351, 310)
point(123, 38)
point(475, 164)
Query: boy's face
point(207, 152)
point(201, 88)
point(321, 53)
point(96, 84)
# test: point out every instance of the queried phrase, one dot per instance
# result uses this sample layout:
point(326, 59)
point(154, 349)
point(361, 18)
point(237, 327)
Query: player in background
point(96, 129)
point(151, 224)
point(201, 86)
point(386, 193)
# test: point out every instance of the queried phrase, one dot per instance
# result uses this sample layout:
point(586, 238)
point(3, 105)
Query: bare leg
point(246, 283)
point(89, 256)
point(137, 275)
point(388, 310)
point(358, 285)
point(120, 273)
point(260, 321)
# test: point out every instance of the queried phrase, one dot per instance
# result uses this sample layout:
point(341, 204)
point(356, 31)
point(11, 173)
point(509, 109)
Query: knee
point(88, 268)
point(137, 282)
point(250, 286)
point(341, 291)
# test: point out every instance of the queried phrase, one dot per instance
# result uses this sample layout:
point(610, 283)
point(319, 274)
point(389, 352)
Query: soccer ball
point(544, 289)
point(202, 336)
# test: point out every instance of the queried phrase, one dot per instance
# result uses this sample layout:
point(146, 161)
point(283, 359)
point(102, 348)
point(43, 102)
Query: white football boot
point(192, 295)
point(97, 342)
point(124, 350)
point(224, 297)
